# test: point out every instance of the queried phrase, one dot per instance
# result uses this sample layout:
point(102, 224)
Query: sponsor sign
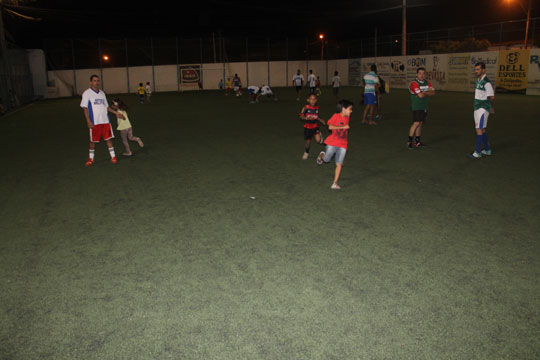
point(512, 70)
point(533, 84)
point(190, 73)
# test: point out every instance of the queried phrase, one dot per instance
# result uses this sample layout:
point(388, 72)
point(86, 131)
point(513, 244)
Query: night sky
point(339, 19)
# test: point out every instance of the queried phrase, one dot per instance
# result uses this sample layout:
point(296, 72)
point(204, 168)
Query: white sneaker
point(305, 156)
point(335, 186)
point(320, 158)
point(475, 155)
point(486, 152)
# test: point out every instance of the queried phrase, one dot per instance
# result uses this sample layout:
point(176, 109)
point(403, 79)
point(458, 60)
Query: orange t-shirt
point(339, 136)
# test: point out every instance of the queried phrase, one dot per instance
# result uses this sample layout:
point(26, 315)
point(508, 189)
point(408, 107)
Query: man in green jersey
point(419, 90)
point(484, 96)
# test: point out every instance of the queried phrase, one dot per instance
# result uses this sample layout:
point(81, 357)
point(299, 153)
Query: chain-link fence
point(16, 87)
point(76, 54)
point(64, 54)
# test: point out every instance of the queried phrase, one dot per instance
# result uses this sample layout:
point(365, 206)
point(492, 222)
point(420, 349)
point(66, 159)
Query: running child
point(298, 82)
point(141, 91)
point(253, 92)
point(124, 126)
point(228, 86)
point(336, 143)
point(336, 83)
point(312, 82)
point(318, 86)
point(148, 90)
point(237, 85)
point(266, 91)
point(310, 116)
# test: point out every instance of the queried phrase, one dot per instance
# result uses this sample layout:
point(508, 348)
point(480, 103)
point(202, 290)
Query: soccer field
point(423, 254)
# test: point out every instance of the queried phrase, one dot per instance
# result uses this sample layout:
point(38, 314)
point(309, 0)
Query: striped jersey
point(416, 87)
point(311, 113)
point(96, 103)
point(370, 79)
point(484, 89)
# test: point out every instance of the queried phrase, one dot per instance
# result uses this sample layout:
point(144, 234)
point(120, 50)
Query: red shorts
point(101, 131)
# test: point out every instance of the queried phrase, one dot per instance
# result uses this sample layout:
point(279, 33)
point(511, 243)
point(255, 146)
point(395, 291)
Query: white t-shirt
point(336, 81)
point(298, 79)
point(265, 90)
point(96, 103)
point(312, 79)
point(148, 89)
point(253, 88)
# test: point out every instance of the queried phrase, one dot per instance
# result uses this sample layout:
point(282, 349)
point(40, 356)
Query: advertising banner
point(512, 67)
point(190, 74)
point(533, 85)
point(459, 72)
point(436, 70)
point(490, 59)
point(355, 72)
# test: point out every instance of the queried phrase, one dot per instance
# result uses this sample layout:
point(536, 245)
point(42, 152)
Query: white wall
point(165, 77)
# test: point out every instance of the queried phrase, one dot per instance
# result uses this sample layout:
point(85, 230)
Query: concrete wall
point(165, 77)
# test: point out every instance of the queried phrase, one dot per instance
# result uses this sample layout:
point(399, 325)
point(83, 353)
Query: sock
point(417, 139)
point(478, 143)
point(410, 139)
point(307, 150)
point(111, 151)
point(91, 154)
point(485, 141)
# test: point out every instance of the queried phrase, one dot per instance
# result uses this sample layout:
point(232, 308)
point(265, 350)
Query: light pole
point(528, 12)
point(321, 36)
point(404, 30)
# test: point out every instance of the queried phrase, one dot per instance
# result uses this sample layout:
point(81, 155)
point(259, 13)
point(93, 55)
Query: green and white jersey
point(484, 89)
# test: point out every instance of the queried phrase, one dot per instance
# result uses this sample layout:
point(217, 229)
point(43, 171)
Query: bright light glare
point(321, 36)
point(105, 57)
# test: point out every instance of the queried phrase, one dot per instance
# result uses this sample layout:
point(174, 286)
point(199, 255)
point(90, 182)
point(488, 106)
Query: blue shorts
point(251, 91)
point(336, 151)
point(370, 99)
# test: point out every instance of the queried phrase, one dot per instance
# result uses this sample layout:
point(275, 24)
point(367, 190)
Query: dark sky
point(338, 19)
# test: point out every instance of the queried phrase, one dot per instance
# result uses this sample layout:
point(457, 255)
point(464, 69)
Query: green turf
point(424, 254)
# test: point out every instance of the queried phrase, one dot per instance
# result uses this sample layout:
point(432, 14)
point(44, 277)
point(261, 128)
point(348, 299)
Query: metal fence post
point(153, 71)
point(101, 65)
point(177, 66)
point(127, 66)
point(268, 59)
point(286, 62)
point(307, 57)
point(74, 69)
point(201, 63)
point(247, 62)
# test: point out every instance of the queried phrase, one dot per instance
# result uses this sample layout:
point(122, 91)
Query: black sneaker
point(409, 145)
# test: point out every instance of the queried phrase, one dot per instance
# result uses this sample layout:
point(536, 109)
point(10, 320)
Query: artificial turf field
point(423, 254)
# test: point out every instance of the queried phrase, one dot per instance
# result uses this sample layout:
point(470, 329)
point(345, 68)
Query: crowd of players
point(95, 106)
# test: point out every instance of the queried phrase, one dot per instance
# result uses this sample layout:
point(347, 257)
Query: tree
point(466, 45)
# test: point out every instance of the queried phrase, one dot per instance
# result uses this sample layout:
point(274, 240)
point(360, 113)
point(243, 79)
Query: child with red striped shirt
point(310, 116)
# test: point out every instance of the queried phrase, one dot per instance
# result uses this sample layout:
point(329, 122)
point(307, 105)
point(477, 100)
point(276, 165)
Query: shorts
point(335, 90)
point(236, 88)
point(312, 90)
point(339, 152)
point(310, 133)
point(419, 115)
point(101, 131)
point(251, 91)
point(298, 88)
point(141, 96)
point(370, 99)
point(481, 118)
